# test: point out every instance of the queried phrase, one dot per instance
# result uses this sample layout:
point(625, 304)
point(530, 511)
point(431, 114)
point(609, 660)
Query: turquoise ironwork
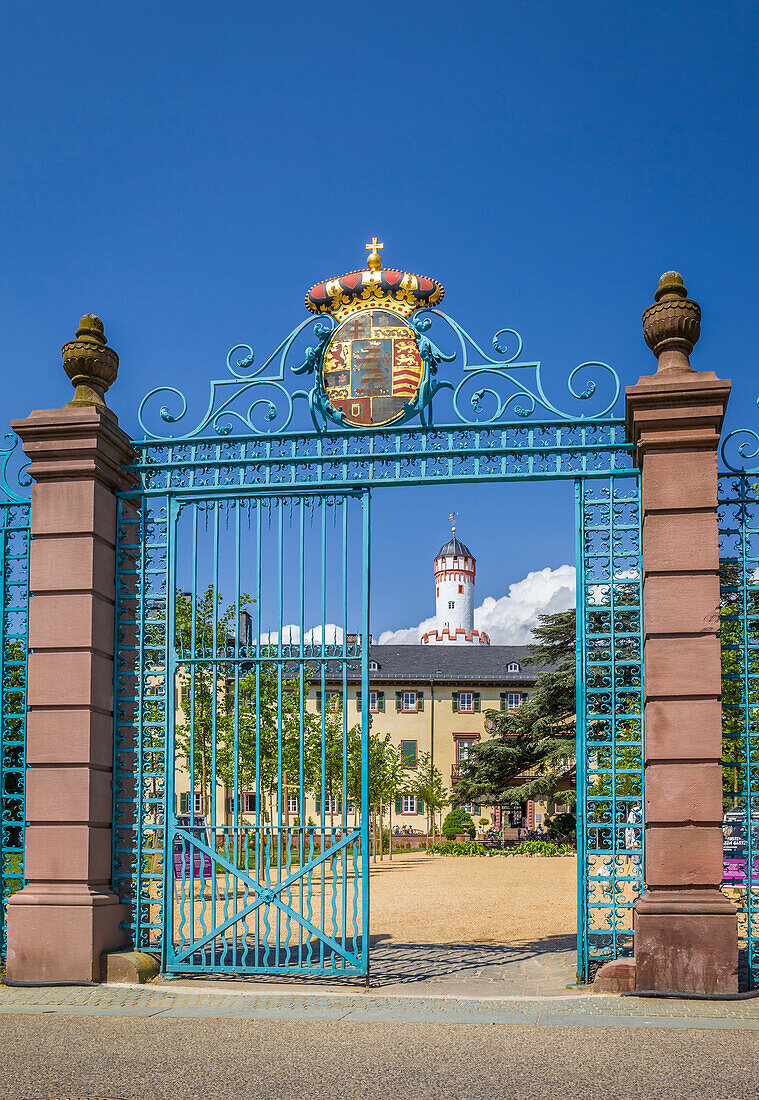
point(262, 453)
point(260, 403)
point(14, 600)
point(739, 626)
point(610, 718)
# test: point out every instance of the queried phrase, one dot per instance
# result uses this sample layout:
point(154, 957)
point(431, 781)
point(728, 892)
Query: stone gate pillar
point(685, 929)
point(67, 914)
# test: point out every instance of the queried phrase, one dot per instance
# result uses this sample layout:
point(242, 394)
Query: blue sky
point(187, 171)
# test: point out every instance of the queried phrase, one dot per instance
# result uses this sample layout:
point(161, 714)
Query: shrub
point(458, 821)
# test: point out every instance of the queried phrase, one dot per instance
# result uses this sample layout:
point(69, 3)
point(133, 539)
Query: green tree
point(428, 785)
point(537, 738)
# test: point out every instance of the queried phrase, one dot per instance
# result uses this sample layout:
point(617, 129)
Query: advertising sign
point(189, 862)
point(735, 848)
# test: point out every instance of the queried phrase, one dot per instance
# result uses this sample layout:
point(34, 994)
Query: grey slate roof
point(453, 546)
point(449, 664)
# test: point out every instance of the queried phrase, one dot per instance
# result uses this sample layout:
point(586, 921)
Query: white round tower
point(455, 568)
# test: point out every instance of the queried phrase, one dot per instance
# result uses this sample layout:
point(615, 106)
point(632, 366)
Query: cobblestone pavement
point(547, 968)
point(243, 1003)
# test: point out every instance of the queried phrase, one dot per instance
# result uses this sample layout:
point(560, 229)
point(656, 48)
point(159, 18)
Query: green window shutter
point(419, 805)
point(525, 697)
point(381, 701)
point(420, 700)
point(476, 807)
point(184, 803)
point(455, 700)
point(358, 700)
point(318, 807)
point(477, 706)
point(398, 806)
point(408, 753)
point(503, 700)
point(319, 701)
point(398, 700)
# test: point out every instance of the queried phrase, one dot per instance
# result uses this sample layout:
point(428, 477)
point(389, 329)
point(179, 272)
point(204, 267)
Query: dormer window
point(373, 666)
point(513, 667)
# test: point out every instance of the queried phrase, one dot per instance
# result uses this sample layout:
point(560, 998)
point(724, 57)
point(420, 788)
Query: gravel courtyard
point(416, 898)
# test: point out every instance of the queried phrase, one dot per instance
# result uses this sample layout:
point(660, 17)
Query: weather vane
point(452, 518)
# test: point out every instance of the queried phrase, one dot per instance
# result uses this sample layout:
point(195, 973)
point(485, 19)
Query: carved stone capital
point(89, 363)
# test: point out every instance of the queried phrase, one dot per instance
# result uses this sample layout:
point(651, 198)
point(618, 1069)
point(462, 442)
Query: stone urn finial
point(672, 325)
point(89, 363)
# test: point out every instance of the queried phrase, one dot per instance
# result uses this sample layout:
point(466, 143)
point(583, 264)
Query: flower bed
point(525, 848)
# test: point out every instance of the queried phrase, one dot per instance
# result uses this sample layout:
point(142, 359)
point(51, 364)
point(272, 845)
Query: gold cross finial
point(374, 263)
point(452, 518)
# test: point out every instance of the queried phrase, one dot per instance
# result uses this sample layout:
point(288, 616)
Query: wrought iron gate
point(210, 881)
point(739, 632)
point(14, 600)
point(609, 718)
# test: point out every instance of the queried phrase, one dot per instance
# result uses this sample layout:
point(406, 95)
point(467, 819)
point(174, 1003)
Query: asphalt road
point(232, 1059)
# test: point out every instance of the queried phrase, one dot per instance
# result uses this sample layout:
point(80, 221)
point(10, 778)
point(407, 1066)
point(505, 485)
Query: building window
point(334, 700)
point(408, 754)
point(451, 605)
point(248, 802)
point(409, 701)
point(408, 804)
point(466, 700)
point(463, 749)
point(461, 588)
point(292, 805)
point(514, 700)
point(373, 707)
point(512, 667)
point(437, 590)
point(330, 805)
point(373, 666)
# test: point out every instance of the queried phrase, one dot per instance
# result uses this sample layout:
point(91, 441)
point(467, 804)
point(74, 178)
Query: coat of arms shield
point(372, 367)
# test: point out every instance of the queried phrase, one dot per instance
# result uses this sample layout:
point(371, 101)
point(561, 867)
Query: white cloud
point(333, 635)
point(511, 619)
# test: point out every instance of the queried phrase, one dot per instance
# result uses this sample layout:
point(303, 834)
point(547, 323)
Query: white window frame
point(412, 706)
point(292, 804)
point(329, 804)
point(197, 802)
point(467, 708)
point(408, 803)
point(373, 666)
point(513, 700)
point(247, 802)
point(373, 702)
point(466, 743)
point(513, 667)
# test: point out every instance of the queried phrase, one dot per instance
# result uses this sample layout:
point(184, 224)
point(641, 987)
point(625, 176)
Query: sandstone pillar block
point(67, 916)
point(686, 935)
